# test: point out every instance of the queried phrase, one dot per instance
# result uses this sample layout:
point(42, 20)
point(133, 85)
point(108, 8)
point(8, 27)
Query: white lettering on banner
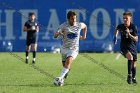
point(54, 22)
point(52, 25)
point(93, 23)
point(24, 17)
point(8, 24)
point(1, 24)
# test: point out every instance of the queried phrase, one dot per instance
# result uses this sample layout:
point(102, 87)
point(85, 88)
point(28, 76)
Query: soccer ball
point(58, 81)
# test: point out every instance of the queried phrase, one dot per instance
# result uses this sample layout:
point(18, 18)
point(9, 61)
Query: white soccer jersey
point(71, 35)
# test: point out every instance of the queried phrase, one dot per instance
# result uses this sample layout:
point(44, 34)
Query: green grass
point(86, 75)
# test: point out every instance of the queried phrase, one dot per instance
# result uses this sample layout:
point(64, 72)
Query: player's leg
point(134, 72)
point(134, 53)
point(66, 68)
point(71, 55)
point(130, 61)
point(27, 52)
point(28, 45)
point(63, 64)
point(34, 48)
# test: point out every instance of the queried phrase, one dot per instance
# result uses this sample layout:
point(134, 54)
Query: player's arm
point(25, 29)
point(115, 35)
point(84, 27)
point(58, 33)
point(134, 37)
point(37, 28)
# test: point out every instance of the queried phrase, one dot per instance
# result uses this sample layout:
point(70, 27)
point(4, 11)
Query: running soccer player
point(70, 34)
point(32, 28)
point(128, 48)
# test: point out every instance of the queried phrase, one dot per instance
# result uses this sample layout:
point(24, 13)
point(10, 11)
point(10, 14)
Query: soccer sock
point(63, 63)
point(63, 72)
point(34, 55)
point(27, 53)
point(129, 67)
point(133, 72)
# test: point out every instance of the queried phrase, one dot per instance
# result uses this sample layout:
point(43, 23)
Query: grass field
point(90, 73)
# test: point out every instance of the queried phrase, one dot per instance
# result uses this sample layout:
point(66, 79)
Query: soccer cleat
point(134, 80)
point(33, 62)
point(26, 61)
point(129, 79)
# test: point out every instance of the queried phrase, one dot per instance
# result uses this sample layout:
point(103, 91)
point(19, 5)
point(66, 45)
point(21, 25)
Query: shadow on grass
point(93, 84)
point(66, 84)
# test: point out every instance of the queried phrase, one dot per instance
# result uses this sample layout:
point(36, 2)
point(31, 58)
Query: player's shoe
point(26, 61)
point(134, 80)
point(129, 79)
point(33, 62)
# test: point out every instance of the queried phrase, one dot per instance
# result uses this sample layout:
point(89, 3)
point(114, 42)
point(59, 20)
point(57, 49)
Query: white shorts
point(68, 52)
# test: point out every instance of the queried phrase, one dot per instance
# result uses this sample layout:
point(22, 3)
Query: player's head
point(31, 15)
point(127, 18)
point(71, 16)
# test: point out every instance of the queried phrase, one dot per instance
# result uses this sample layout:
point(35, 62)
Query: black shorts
point(124, 51)
point(31, 40)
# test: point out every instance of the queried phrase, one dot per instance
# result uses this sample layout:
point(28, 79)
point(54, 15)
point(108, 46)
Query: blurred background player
point(70, 34)
point(128, 48)
point(32, 28)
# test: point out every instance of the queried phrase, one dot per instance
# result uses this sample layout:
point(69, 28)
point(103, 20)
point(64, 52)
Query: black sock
point(27, 53)
point(34, 54)
point(129, 67)
point(63, 62)
point(133, 72)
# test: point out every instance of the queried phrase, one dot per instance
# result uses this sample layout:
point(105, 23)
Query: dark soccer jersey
point(126, 41)
point(30, 25)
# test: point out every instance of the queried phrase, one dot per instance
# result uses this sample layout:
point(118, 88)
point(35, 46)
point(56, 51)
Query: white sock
point(33, 59)
point(27, 57)
point(63, 72)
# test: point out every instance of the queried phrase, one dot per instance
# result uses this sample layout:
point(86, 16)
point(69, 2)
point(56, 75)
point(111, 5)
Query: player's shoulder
point(133, 25)
point(27, 22)
point(81, 25)
point(120, 25)
point(64, 24)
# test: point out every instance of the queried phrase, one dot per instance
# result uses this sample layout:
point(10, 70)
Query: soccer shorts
point(67, 53)
point(124, 51)
point(31, 40)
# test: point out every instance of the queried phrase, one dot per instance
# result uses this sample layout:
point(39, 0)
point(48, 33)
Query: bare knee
point(134, 64)
point(27, 48)
point(129, 56)
point(34, 47)
point(68, 62)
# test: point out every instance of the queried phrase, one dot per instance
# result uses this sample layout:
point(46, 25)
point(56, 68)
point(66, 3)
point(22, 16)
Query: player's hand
point(127, 30)
point(115, 40)
point(82, 38)
point(56, 34)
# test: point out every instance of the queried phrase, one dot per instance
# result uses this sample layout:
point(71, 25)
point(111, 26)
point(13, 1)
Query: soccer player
point(128, 48)
point(69, 32)
point(32, 28)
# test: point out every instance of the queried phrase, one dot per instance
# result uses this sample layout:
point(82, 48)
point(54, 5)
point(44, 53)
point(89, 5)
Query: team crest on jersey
point(35, 24)
point(131, 30)
point(71, 35)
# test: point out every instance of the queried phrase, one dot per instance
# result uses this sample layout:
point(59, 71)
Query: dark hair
point(127, 13)
point(31, 13)
point(71, 13)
